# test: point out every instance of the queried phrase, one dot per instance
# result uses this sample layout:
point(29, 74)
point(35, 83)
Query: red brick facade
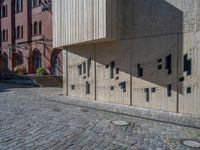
point(26, 37)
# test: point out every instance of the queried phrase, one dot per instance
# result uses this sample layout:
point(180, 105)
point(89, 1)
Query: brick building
point(26, 36)
point(143, 53)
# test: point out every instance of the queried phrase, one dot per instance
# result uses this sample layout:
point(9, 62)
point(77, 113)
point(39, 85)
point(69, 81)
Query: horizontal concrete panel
point(79, 21)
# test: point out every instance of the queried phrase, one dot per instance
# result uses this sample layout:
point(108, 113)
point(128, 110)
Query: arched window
point(22, 31)
point(19, 58)
point(40, 27)
point(6, 10)
point(3, 11)
point(35, 28)
point(19, 5)
point(4, 35)
point(34, 3)
point(18, 32)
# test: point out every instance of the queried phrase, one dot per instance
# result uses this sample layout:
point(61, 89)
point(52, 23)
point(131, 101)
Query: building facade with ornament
point(26, 37)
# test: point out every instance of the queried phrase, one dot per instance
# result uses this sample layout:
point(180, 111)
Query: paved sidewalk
point(29, 119)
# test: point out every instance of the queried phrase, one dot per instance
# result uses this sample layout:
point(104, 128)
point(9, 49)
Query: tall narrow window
point(139, 70)
point(87, 87)
point(88, 67)
point(168, 63)
point(34, 3)
point(18, 32)
point(22, 32)
point(40, 27)
point(112, 66)
point(146, 90)
point(169, 90)
point(35, 28)
point(187, 65)
point(4, 35)
point(19, 5)
point(80, 69)
point(84, 68)
point(3, 11)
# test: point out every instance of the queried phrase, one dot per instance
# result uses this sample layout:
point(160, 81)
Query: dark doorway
point(19, 58)
point(37, 60)
point(5, 62)
point(56, 66)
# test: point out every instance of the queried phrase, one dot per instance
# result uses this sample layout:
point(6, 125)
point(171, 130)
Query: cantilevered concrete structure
point(143, 53)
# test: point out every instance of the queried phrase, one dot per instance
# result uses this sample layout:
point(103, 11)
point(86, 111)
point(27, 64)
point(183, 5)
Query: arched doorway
point(5, 62)
point(37, 60)
point(56, 66)
point(56, 62)
point(19, 58)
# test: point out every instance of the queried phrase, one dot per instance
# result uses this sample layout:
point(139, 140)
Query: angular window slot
point(146, 90)
point(187, 65)
point(112, 88)
point(169, 90)
point(122, 85)
point(72, 87)
point(139, 70)
point(80, 69)
point(84, 68)
point(153, 90)
point(88, 67)
point(112, 66)
point(87, 87)
point(168, 63)
point(189, 90)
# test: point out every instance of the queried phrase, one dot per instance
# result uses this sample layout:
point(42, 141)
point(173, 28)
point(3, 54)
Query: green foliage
point(41, 71)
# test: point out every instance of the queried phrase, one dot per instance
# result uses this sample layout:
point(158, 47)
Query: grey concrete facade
point(150, 58)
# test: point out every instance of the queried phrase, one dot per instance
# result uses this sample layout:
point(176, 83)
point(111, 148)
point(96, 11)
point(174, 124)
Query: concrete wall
point(151, 33)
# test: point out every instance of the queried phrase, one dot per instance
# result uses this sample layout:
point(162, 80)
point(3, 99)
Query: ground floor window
point(19, 58)
point(5, 62)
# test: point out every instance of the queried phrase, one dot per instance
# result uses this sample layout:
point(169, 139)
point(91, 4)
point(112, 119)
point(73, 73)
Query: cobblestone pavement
point(28, 120)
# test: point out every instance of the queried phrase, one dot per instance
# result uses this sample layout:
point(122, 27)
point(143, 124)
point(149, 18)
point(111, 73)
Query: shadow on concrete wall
point(155, 29)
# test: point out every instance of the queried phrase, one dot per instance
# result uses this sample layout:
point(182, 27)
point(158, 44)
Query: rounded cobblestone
point(33, 118)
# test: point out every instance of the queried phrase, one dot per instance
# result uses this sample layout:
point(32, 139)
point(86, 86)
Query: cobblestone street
point(32, 119)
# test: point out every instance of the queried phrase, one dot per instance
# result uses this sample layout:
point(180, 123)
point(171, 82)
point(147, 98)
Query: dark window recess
point(112, 88)
point(181, 79)
point(153, 90)
point(159, 60)
point(189, 90)
point(88, 67)
point(187, 65)
point(159, 67)
point(117, 78)
point(72, 87)
point(168, 63)
point(169, 90)
point(84, 68)
point(122, 85)
point(146, 90)
point(87, 88)
point(84, 77)
point(80, 69)
point(107, 66)
point(140, 71)
point(112, 66)
point(117, 70)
